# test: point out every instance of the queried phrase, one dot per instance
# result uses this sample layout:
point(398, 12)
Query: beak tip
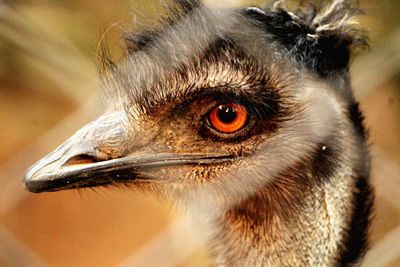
point(32, 189)
point(31, 182)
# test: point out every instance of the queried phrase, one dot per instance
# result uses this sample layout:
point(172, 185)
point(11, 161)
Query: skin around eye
point(228, 118)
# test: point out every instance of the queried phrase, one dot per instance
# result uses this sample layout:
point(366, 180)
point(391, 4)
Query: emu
point(246, 115)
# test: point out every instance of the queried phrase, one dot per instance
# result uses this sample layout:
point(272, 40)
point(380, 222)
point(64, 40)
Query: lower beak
point(85, 159)
point(111, 171)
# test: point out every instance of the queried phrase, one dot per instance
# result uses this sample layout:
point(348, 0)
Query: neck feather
point(294, 222)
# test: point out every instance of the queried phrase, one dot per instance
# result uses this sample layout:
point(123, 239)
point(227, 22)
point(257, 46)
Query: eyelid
point(265, 106)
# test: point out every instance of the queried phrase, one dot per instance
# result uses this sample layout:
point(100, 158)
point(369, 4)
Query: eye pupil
point(226, 114)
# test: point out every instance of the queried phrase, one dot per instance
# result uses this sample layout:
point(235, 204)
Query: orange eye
point(228, 118)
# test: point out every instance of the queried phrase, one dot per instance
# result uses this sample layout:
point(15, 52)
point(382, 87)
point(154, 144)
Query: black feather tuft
point(356, 244)
point(187, 5)
point(136, 41)
point(357, 118)
point(321, 37)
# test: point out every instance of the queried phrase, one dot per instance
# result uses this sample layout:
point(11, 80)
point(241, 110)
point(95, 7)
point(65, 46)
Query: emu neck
point(266, 230)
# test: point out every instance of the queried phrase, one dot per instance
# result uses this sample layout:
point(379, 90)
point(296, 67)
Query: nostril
point(80, 159)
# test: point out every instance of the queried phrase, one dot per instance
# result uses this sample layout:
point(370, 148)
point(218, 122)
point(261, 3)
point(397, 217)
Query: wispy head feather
point(321, 35)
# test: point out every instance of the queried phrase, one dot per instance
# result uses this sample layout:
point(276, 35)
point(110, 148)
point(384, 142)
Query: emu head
point(247, 115)
point(215, 106)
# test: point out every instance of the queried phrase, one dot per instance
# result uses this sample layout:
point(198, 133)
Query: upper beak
point(101, 153)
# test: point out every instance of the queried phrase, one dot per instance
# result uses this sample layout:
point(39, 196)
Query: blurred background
point(48, 83)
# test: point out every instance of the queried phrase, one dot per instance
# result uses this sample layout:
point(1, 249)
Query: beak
point(98, 154)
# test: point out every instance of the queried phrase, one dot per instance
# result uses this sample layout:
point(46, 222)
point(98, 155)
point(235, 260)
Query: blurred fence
point(58, 60)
